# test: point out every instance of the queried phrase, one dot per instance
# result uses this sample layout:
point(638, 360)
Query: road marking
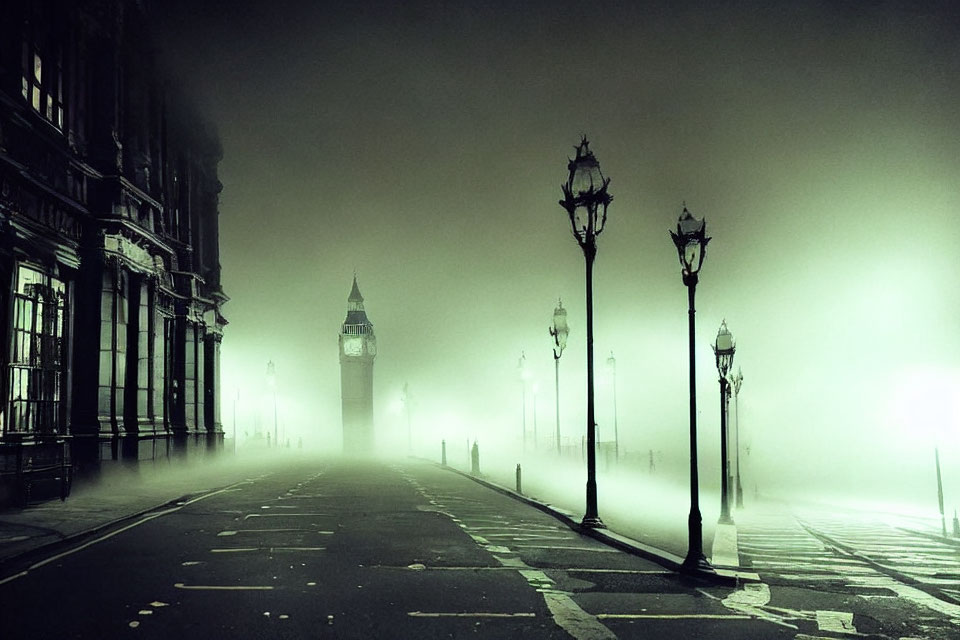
point(233, 533)
point(285, 515)
point(545, 546)
point(836, 621)
point(14, 539)
point(657, 572)
point(750, 601)
point(574, 620)
point(481, 614)
point(673, 616)
point(267, 549)
point(409, 567)
point(180, 585)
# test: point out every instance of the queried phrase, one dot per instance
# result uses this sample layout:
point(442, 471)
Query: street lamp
point(524, 375)
point(272, 383)
point(586, 199)
point(405, 398)
point(723, 349)
point(236, 399)
point(559, 331)
point(612, 368)
point(691, 242)
point(535, 387)
point(736, 381)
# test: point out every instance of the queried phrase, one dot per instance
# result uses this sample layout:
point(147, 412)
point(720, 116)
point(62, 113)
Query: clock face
point(372, 347)
point(353, 346)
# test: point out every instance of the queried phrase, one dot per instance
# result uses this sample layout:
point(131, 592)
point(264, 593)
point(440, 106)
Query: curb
point(628, 545)
point(13, 564)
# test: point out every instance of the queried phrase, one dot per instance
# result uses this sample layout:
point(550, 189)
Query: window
point(42, 82)
point(37, 361)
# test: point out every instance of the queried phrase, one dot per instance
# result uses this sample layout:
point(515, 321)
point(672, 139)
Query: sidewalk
point(117, 495)
point(725, 546)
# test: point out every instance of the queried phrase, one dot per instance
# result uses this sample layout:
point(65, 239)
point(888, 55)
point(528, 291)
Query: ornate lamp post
point(612, 367)
point(559, 331)
point(586, 199)
point(691, 241)
point(524, 375)
point(723, 349)
point(735, 382)
point(272, 383)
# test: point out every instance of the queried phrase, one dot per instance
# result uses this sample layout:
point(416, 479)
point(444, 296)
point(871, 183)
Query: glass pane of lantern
point(581, 216)
point(691, 255)
point(724, 341)
point(690, 225)
point(586, 176)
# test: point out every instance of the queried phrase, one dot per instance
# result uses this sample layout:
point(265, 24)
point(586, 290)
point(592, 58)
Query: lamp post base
point(725, 520)
point(696, 562)
point(592, 522)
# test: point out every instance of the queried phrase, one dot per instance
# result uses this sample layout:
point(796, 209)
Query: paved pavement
point(117, 495)
point(296, 547)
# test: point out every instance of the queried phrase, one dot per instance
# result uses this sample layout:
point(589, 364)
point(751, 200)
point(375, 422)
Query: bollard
point(519, 479)
point(475, 460)
point(443, 452)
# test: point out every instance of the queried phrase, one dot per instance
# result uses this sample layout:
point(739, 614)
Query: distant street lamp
point(586, 199)
point(535, 387)
point(236, 399)
point(724, 348)
point(943, 517)
point(736, 381)
point(272, 383)
point(612, 367)
point(559, 331)
point(524, 375)
point(691, 242)
point(405, 398)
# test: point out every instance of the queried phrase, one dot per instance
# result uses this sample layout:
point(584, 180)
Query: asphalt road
point(334, 549)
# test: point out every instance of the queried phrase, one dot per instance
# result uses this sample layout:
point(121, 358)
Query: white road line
point(673, 616)
point(267, 549)
point(180, 585)
point(835, 621)
point(480, 614)
point(654, 572)
point(545, 546)
point(286, 515)
point(284, 530)
point(574, 620)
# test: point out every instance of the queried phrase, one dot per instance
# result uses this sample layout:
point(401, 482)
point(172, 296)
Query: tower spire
point(355, 291)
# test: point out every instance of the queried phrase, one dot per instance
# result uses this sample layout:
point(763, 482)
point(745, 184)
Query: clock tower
point(358, 348)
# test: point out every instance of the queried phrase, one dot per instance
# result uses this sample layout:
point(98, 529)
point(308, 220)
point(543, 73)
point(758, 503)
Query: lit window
point(43, 87)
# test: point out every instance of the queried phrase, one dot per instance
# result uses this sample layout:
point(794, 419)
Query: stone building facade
point(110, 296)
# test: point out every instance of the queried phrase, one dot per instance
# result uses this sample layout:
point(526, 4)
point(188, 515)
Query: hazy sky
point(423, 145)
